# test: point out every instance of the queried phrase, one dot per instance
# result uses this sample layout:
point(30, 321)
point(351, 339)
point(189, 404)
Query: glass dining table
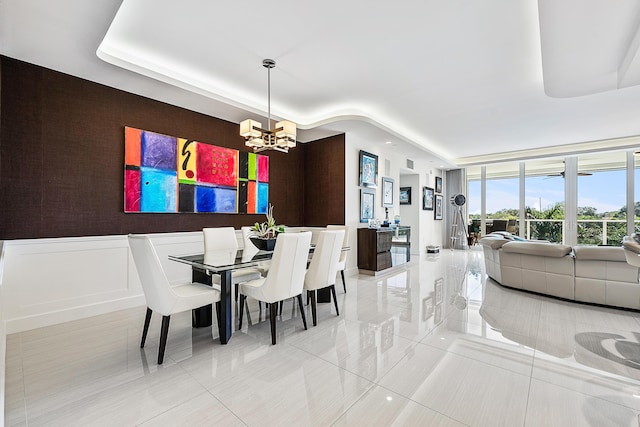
point(223, 263)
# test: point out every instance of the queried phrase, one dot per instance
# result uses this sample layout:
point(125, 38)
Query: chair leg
point(147, 320)
point(274, 313)
point(344, 284)
point(314, 308)
point(304, 318)
point(237, 291)
point(164, 332)
point(218, 309)
point(281, 304)
point(242, 300)
point(335, 300)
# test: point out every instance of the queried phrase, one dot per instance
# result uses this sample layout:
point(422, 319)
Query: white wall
point(410, 214)
point(425, 230)
point(3, 339)
point(49, 281)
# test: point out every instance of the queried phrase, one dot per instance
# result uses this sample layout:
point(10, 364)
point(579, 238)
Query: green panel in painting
point(252, 166)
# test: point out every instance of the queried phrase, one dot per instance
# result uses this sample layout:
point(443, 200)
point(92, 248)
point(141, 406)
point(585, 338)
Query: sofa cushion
point(552, 250)
point(631, 245)
point(493, 242)
point(599, 253)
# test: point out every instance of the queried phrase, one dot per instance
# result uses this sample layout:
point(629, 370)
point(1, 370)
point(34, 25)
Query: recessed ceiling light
point(388, 142)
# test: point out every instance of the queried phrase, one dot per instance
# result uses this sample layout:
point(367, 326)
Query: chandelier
point(281, 138)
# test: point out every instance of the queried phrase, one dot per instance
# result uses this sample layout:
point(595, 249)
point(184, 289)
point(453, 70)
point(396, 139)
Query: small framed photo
point(405, 195)
point(367, 204)
point(438, 291)
point(427, 198)
point(437, 317)
point(438, 185)
point(438, 210)
point(368, 169)
point(387, 192)
point(427, 307)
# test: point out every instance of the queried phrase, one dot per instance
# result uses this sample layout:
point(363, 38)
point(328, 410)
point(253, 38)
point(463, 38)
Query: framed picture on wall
point(387, 192)
point(405, 195)
point(367, 204)
point(438, 210)
point(438, 185)
point(427, 198)
point(368, 169)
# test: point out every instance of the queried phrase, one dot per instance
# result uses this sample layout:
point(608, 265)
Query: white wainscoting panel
point(50, 281)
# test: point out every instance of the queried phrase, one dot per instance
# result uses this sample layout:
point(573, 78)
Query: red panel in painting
point(132, 146)
point(263, 168)
point(216, 165)
point(251, 197)
point(132, 188)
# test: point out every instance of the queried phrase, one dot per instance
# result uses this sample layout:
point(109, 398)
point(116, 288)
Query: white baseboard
point(70, 314)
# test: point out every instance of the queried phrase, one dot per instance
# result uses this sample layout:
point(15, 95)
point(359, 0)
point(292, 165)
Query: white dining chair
point(224, 238)
point(324, 267)
point(284, 280)
point(250, 248)
point(162, 297)
point(342, 263)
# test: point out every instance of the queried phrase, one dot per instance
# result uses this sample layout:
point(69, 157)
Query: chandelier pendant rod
point(268, 97)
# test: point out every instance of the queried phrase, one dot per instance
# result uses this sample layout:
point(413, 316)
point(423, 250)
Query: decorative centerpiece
point(264, 234)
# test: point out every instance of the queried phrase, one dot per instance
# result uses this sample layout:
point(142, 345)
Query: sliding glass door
point(602, 198)
point(569, 200)
point(544, 200)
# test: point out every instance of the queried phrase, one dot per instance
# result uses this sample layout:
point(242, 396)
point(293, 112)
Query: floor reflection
point(434, 343)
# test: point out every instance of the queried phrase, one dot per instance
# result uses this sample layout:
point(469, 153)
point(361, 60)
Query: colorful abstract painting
point(170, 174)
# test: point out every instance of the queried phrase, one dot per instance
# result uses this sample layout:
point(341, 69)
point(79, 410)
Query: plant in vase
point(264, 234)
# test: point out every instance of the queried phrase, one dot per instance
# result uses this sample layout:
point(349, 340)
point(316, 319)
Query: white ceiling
point(455, 82)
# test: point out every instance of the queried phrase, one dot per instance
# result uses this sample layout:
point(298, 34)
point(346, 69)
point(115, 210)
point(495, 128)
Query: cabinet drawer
point(383, 241)
point(383, 260)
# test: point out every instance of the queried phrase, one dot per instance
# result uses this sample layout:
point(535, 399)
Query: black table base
point(202, 317)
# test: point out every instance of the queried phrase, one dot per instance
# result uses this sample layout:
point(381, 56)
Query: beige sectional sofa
point(593, 274)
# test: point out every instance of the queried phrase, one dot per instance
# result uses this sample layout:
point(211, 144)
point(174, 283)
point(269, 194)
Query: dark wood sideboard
point(375, 248)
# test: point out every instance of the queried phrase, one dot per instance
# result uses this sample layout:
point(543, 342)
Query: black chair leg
point(313, 308)
point(344, 284)
point(147, 320)
point(335, 300)
point(281, 304)
point(304, 318)
point(218, 318)
point(164, 332)
point(274, 313)
point(242, 300)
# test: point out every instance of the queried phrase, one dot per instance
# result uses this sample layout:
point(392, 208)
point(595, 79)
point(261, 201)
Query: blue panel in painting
point(212, 199)
point(205, 199)
point(159, 151)
point(262, 203)
point(158, 190)
point(225, 200)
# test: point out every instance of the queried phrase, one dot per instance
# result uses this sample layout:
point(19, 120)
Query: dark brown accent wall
point(324, 201)
point(62, 154)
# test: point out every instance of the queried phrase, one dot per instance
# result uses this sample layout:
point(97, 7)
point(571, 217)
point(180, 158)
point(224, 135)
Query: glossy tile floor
point(435, 344)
